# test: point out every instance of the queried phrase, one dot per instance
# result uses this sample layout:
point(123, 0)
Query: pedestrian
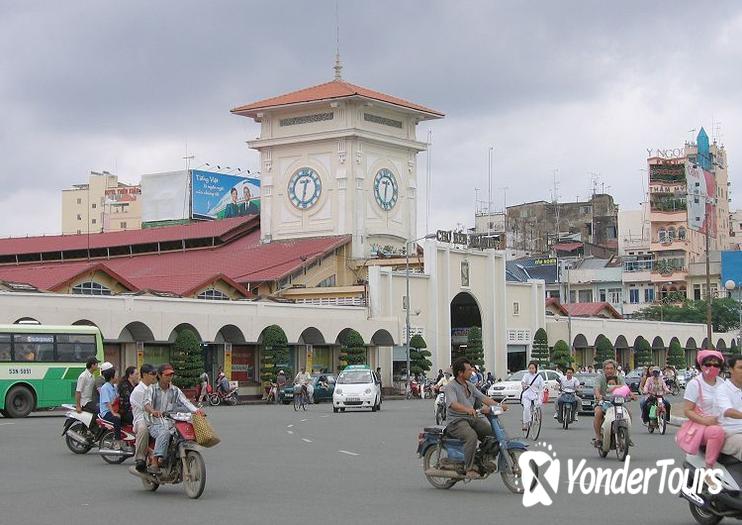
point(203, 394)
point(378, 375)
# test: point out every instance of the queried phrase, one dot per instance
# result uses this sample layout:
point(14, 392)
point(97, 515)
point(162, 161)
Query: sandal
point(597, 443)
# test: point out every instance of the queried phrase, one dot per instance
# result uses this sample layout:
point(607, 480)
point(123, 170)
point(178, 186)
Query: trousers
point(140, 450)
point(469, 430)
point(161, 432)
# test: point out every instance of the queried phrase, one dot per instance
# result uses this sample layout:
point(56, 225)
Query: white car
point(357, 387)
point(510, 389)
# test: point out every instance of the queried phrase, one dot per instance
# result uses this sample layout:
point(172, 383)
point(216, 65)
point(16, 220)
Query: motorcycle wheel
point(675, 390)
point(662, 422)
point(150, 485)
point(74, 446)
point(214, 400)
point(622, 443)
point(650, 427)
point(702, 516)
point(431, 459)
point(512, 478)
point(106, 442)
point(195, 486)
point(409, 395)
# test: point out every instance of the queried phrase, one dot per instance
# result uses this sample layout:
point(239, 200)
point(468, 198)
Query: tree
point(540, 351)
point(724, 313)
point(676, 355)
point(353, 351)
point(275, 354)
point(419, 362)
point(474, 350)
point(603, 350)
point(187, 359)
point(643, 353)
point(561, 356)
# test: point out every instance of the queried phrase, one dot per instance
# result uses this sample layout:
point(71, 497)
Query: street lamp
point(731, 285)
point(407, 301)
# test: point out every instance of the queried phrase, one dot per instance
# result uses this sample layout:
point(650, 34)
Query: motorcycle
point(673, 386)
point(220, 396)
point(414, 390)
point(568, 411)
point(428, 389)
point(440, 408)
point(105, 444)
point(615, 429)
point(184, 462)
point(81, 432)
point(707, 508)
point(443, 456)
point(657, 416)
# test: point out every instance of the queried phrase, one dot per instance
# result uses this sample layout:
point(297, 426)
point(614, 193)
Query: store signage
point(667, 153)
point(550, 261)
point(474, 240)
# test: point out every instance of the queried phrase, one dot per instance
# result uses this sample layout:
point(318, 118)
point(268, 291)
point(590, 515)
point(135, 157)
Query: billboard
point(165, 196)
point(701, 195)
point(222, 196)
point(731, 268)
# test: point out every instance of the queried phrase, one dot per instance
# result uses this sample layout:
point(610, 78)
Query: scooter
point(443, 456)
point(440, 408)
point(568, 411)
point(615, 429)
point(220, 396)
point(105, 445)
point(657, 416)
point(707, 508)
point(81, 432)
point(414, 390)
point(184, 462)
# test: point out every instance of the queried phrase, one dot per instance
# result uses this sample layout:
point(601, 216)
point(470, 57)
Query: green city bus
point(39, 365)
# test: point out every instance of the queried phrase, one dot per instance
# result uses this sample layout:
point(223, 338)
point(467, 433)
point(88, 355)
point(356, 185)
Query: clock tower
point(338, 159)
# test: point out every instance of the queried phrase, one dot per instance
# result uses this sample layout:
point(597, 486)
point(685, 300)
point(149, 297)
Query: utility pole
point(710, 344)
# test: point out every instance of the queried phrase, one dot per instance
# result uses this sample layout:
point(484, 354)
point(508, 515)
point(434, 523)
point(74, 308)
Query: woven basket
point(205, 435)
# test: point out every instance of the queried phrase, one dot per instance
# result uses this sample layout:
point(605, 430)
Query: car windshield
point(354, 377)
point(637, 372)
point(588, 380)
point(517, 376)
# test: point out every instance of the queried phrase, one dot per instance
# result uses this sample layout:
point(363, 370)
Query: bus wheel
point(19, 402)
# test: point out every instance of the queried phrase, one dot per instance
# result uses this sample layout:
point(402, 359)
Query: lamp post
point(731, 285)
point(407, 301)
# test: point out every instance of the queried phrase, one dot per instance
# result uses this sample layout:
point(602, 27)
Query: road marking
point(305, 440)
point(1, 424)
point(303, 420)
point(289, 426)
point(326, 415)
point(290, 431)
point(348, 453)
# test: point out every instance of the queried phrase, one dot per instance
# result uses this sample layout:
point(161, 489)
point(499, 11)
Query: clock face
point(386, 190)
point(305, 187)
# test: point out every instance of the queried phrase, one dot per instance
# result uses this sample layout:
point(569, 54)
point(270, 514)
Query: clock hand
point(386, 189)
point(304, 191)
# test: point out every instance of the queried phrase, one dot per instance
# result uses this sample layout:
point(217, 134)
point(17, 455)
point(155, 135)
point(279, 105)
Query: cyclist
point(533, 388)
point(300, 384)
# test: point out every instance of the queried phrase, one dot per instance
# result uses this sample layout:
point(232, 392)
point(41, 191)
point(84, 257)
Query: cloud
point(575, 86)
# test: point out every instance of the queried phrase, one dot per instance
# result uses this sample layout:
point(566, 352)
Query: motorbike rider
point(165, 397)
point(85, 388)
point(730, 405)
point(655, 386)
point(125, 388)
point(606, 383)
point(443, 381)
point(533, 389)
point(107, 396)
point(222, 383)
point(568, 385)
point(147, 377)
point(461, 414)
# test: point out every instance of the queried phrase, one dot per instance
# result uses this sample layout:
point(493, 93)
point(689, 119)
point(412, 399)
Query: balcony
point(328, 296)
point(677, 275)
point(640, 276)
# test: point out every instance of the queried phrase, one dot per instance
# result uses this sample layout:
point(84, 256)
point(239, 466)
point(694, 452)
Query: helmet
point(281, 372)
point(703, 355)
point(106, 366)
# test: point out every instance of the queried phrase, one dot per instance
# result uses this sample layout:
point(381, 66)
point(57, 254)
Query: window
point(649, 295)
point(93, 221)
point(93, 205)
point(404, 302)
point(79, 217)
point(464, 273)
point(662, 234)
point(4, 347)
point(572, 296)
point(90, 288)
point(75, 348)
point(602, 294)
point(585, 296)
point(634, 295)
point(79, 201)
point(671, 234)
point(79, 232)
point(681, 233)
point(33, 347)
point(615, 295)
point(696, 292)
point(327, 283)
point(213, 294)
point(123, 225)
point(516, 308)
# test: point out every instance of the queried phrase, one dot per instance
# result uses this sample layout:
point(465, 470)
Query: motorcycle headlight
point(368, 391)
point(619, 400)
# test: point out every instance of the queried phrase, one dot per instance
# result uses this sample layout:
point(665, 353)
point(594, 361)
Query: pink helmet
point(705, 354)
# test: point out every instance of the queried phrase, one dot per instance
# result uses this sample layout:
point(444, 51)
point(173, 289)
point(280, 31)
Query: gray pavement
point(278, 466)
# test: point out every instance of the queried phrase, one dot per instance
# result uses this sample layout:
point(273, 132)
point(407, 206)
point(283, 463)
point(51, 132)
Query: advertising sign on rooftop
point(222, 196)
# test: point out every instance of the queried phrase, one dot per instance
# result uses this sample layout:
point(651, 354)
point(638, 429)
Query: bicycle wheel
point(536, 419)
point(304, 402)
point(297, 402)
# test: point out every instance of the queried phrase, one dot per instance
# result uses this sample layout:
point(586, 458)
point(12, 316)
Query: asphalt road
point(278, 466)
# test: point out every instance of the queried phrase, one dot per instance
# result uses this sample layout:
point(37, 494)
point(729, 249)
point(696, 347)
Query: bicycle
point(301, 399)
point(533, 427)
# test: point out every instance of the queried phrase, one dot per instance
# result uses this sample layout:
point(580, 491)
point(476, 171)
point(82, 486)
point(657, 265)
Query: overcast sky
point(582, 87)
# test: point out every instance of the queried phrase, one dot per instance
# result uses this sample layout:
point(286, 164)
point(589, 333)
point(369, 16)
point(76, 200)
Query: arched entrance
point(465, 315)
point(584, 355)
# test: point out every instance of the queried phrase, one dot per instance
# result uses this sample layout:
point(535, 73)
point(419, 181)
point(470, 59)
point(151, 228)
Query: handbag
point(690, 435)
point(205, 435)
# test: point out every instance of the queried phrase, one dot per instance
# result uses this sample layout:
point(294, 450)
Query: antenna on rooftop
point(338, 66)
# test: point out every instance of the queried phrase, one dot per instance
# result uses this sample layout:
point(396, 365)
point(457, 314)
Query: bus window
point(33, 347)
point(4, 347)
point(75, 348)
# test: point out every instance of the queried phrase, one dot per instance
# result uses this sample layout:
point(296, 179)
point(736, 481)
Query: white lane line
point(290, 431)
point(289, 426)
point(326, 415)
point(2, 424)
point(305, 440)
point(303, 420)
point(348, 453)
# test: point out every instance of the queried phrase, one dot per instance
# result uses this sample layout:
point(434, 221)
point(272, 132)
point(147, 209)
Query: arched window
point(662, 234)
point(91, 288)
point(671, 233)
point(213, 294)
point(681, 233)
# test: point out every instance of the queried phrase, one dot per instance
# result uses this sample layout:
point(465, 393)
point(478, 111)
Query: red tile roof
point(335, 89)
point(243, 259)
point(57, 243)
point(591, 310)
point(555, 302)
point(567, 246)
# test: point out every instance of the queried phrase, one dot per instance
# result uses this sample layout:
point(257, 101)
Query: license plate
point(354, 399)
point(586, 403)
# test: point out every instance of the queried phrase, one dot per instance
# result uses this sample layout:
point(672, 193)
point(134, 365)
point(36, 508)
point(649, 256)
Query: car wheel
point(335, 410)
